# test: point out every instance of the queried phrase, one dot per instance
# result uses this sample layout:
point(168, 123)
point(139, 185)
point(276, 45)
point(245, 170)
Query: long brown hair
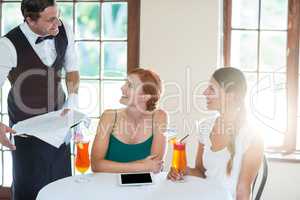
point(151, 85)
point(233, 80)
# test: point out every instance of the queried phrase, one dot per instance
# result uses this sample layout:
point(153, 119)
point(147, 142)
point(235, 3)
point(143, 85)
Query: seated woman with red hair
point(132, 139)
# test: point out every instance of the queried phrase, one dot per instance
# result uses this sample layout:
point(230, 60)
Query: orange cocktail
point(179, 157)
point(82, 161)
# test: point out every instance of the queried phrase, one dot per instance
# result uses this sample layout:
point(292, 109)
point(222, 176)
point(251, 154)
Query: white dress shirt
point(46, 52)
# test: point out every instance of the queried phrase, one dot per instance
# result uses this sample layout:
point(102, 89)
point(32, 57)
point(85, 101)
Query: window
point(106, 36)
point(261, 37)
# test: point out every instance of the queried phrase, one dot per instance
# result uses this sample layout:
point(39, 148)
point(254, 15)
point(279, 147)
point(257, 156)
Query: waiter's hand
point(64, 112)
point(3, 139)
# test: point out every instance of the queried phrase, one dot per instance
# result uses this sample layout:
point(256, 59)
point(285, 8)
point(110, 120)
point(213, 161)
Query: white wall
point(179, 40)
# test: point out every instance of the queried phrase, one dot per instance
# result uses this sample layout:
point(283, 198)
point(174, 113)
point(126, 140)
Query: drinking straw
point(180, 141)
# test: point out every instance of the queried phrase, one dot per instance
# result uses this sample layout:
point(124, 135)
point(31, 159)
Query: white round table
point(105, 186)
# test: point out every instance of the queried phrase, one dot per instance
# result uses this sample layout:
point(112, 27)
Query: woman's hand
point(153, 164)
point(175, 175)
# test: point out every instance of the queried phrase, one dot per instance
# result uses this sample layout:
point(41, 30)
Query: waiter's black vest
point(36, 88)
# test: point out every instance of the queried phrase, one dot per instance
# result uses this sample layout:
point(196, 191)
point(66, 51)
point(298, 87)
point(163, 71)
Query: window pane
point(88, 54)
point(251, 79)
point(114, 20)
point(298, 133)
point(7, 169)
point(5, 120)
point(89, 101)
point(269, 107)
point(298, 117)
point(5, 89)
point(271, 137)
point(273, 51)
point(87, 20)
point(274, 14)
point(111, 94)
point(9, 22)
point(244, 50)
point(1, 165)
point(114, 55)
point(66, 12)
point(245, 14)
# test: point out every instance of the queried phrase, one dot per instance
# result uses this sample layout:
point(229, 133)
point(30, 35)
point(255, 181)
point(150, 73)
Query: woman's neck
point(135, 114)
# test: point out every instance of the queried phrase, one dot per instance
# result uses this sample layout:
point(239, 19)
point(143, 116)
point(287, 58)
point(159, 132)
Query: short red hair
point(151, 86)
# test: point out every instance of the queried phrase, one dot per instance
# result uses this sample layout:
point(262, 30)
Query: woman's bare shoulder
point(160, 114)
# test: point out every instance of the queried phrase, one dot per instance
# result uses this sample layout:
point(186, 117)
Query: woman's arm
point(251, 163)
point(199, 169)
point(100, 146)
point(159, 144)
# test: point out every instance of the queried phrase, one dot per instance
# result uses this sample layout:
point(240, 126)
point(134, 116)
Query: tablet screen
point(136, 178)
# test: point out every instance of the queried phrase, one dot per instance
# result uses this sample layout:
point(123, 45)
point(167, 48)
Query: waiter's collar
point(30, 35)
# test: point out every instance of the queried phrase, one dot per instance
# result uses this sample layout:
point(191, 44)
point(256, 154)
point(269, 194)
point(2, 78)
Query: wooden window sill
point(4, 193)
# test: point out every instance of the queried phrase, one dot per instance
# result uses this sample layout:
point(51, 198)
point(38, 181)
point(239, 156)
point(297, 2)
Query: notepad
point(50, 127)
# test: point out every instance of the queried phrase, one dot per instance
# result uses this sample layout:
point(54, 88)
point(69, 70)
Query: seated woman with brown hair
point(132, 139)
point(230, 151)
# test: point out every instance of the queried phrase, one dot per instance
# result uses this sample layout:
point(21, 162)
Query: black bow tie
point(41, 39)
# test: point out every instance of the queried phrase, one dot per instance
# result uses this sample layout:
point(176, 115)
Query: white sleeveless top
point(215, 162)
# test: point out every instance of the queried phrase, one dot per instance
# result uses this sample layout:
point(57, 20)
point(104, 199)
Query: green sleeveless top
point(120, 152)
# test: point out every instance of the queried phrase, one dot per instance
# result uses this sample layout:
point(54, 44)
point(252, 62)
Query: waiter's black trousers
point(35, 164)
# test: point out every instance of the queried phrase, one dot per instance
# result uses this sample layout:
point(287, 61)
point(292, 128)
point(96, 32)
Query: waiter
point(32, 56)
